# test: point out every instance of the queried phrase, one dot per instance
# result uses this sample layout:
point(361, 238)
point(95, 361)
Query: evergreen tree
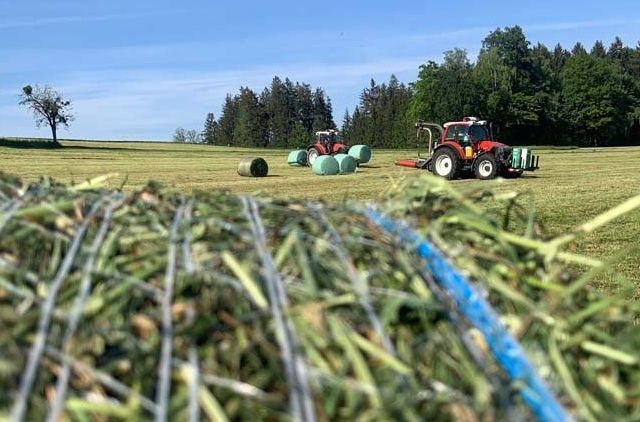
point(382, 119)
point(322, 112)
point(626, 57)
point(358, 131)
point(616, 50)
point(299, 137)
point(559, 59)
point(228, 119)
point(284, 115)
point(210, 130)
point(346, 125)
point(250, 130)
point(304, 109)
point(578, 50)
point(280, 110)
point(599, 50)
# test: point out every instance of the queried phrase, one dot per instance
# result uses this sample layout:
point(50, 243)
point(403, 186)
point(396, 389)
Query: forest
point(535, 95)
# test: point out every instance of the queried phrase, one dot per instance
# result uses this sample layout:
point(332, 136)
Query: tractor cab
point(328, 136)
point(327, 142)
point(471, 132)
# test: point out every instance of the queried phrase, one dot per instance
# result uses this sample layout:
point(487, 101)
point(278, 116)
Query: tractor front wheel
point(445, 163)
point(312, 154)
point(486, 167)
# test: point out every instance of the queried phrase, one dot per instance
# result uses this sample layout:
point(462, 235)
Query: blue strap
point(504, 348)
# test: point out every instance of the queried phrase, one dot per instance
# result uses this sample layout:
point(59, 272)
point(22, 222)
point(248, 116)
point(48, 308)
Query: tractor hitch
point(420, 163)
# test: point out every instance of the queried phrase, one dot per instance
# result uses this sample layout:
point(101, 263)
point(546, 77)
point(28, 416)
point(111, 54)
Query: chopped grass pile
point(153, 304)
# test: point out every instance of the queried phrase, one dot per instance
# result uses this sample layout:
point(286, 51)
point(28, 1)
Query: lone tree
point(48, 107)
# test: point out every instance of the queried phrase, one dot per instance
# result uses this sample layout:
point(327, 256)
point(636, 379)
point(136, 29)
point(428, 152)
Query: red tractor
point(327, 142)
point(469, 146)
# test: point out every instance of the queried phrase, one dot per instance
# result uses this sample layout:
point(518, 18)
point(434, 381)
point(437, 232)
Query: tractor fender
point(453, 146)
point(340, 149)
point(487, 146)
point(501, 152)
point(321, 149)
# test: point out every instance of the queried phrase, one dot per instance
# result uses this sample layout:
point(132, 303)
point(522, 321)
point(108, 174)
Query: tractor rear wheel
point(445, 163)
point(486, 167)
point(312, 154)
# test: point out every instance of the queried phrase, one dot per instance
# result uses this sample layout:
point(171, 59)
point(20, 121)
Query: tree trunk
point(54, 132)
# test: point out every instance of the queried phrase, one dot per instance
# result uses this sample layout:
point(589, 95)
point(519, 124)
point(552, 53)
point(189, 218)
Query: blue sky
point(139, 69)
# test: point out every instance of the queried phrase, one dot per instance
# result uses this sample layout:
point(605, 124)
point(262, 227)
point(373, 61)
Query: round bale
point(325, 165)
point(253, 167)
point(297, 158)
point(346, 162)
point(362, 153)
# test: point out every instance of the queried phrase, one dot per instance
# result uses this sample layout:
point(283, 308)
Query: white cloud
point(58, 20)
point(565, 26)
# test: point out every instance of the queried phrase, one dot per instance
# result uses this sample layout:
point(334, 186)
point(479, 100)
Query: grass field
point(571, 187)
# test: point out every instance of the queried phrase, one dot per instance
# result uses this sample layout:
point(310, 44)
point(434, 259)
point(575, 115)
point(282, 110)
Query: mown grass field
point(571, 187)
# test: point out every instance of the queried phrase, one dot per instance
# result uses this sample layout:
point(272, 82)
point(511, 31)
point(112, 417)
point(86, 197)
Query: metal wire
point(164, 368)
point(78, 305)
point(26, 382)
point(241, 388)
point(8, 212)
point(104, 379)
point(301, 401)
point(360, 286)
point(194, 367)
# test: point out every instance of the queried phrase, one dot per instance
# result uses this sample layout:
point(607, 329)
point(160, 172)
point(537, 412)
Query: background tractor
point(469, 146)
point(327, 142)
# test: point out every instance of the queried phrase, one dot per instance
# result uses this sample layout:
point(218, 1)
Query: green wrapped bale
point(515, 158)
point(297, 158)
point(325, 165)
point(361, 153)
point(253, 167)
point(346, 163)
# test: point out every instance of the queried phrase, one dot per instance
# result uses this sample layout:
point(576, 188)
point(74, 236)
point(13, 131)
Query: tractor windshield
point(329, 137)
point(479, 132)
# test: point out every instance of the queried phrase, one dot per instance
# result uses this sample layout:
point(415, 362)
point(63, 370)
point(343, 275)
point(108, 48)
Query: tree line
point(537, 95)
point(534, 94)
point(285, 114)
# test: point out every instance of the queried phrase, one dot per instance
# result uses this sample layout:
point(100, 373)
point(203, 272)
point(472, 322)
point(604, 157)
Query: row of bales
point(331, 165)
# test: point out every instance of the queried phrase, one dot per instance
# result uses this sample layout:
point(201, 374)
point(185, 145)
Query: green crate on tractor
point(469, 146)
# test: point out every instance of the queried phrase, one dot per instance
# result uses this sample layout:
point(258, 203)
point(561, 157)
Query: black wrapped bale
point(253, 167)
